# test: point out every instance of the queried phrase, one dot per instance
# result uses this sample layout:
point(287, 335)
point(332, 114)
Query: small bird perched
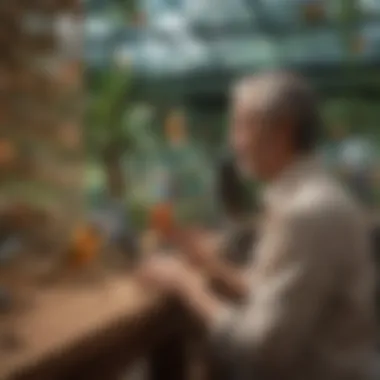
point(162, 218)
point(85, 246)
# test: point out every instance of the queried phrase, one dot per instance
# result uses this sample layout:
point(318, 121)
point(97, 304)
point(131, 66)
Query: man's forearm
point(202, 302)
point(230, 281)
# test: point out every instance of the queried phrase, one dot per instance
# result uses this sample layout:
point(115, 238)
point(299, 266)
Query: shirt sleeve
point(290, 279)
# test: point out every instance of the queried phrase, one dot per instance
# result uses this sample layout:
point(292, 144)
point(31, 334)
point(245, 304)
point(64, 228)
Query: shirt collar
point(279, 189)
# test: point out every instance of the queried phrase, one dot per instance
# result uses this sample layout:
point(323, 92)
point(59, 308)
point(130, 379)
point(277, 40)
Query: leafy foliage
point(105, 113)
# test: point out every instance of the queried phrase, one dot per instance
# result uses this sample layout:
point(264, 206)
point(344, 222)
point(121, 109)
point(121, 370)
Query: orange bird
point(85, 246)
point(162, 218)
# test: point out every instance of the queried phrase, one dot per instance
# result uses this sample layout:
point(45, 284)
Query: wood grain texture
point(70, 332)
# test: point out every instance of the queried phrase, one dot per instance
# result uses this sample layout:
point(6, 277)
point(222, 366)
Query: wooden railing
point(96, 334)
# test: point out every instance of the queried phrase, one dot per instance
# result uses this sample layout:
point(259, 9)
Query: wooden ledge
point(72, 331)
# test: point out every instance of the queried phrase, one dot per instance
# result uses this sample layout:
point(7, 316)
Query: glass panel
point(319, 46)
point(282, 11)
point(245, 51)
point(158, 7)
point(217, 10)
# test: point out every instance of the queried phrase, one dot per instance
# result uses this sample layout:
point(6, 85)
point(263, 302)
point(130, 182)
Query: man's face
point(258, 148)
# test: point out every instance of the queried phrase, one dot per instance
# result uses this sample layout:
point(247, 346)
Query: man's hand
point(168, 275)
point(196, 248)
point(200, 252)
point(175, 278)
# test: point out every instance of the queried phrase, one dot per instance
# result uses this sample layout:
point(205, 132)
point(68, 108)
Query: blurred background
point(111, 107)
point(113, 118)
point(158, 74)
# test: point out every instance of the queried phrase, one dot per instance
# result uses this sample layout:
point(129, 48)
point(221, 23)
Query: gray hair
point(275, 95)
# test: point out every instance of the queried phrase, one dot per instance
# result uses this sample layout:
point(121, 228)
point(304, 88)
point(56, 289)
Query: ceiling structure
point(184, 39)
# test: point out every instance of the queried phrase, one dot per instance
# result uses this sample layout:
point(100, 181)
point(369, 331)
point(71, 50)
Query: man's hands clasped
point(166, 274)
point(174, 276)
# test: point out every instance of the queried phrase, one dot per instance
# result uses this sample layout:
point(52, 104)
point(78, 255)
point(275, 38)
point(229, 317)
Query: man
point(308, 296)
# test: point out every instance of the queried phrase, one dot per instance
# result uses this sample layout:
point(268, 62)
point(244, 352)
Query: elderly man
point(307, 310)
